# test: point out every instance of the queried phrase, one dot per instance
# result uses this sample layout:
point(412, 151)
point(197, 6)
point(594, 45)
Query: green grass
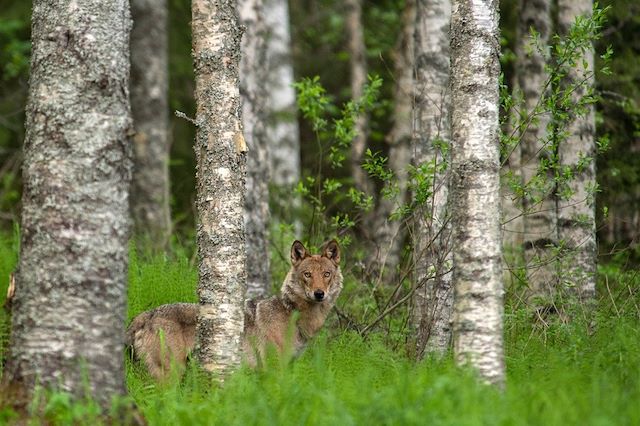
point(559, 374)
point(8, 258)
point(572, 379)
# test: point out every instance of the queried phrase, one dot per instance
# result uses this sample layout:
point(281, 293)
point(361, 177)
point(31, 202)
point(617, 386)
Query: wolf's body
point(166, 334)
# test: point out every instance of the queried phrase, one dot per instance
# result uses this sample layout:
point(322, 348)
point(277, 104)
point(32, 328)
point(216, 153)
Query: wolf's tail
point(136, 325)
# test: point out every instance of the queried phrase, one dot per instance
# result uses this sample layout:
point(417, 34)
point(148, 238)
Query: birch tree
point(389, 235)
point(254, 103)
point(221, 169)
point(431, 239)
point(475, 188)
point(150, 108)
point(283, 135)
point(540, 218)
point(576, 201)
point(70, 304)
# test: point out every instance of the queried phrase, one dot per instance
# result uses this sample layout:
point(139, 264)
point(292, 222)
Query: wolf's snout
point(318, 294)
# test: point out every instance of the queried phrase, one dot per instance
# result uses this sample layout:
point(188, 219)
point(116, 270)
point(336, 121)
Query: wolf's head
point(316, 277)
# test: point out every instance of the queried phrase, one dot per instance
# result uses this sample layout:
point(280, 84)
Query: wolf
point(166, 335)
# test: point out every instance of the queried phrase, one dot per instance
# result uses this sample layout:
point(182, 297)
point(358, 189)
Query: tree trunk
point(540, 219)
point(254, 102)
point(576, 214)
point(150, 108)
point(70, 305)
point(283, 135)
point(221, 172)
point(431, 239)
point(475, 189)
point(389, 235)
point(358, 66)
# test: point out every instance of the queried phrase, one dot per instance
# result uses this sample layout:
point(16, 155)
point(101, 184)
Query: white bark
point(475, 188)
point(70, 304)
point(576, 214)
point(221, 170)
point(283, 135)
point(254, 102)
point(150, 108)
point(540, 218)
point(431, 239)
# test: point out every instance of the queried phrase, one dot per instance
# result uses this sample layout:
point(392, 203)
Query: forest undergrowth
point(558, 373)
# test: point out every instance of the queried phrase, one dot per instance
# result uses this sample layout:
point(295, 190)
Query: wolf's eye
point(307, 274)
point(327, 274)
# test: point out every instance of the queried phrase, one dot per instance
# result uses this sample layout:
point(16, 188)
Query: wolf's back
point(182, 314)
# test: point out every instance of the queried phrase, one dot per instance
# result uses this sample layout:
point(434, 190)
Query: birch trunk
point(576, 214)
point(358, 66)
point(389, 235)
point(221, 170)
point(540, 218)
point(70, 305)
point(150, 108)
point(431, 239)
point(283, 136)
point(475, 190)
point(253, 91)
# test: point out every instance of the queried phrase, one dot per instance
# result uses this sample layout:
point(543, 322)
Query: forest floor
point(558, 373)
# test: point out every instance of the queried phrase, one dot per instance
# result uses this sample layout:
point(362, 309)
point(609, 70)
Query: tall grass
point(582, 373)
point(8, 257)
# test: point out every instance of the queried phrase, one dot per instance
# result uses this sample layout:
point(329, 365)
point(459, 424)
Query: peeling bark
point(70, 304)
point(475, 188)
point(576, 214)
point(221, 172)
point(254, 103)
point(150, 108)
point(431, 240)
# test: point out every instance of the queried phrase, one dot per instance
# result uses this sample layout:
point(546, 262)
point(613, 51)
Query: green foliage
point(14, 50)
point(316, 106)
point(334, 202)
point(375, 164)
point(567, 96)
point(313, 102)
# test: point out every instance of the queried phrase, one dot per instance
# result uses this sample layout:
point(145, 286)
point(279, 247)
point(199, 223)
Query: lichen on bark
point(70, 303)
point(221, 173)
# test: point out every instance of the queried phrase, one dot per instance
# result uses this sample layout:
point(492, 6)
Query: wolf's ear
point(331, 251)
point(298, 252)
